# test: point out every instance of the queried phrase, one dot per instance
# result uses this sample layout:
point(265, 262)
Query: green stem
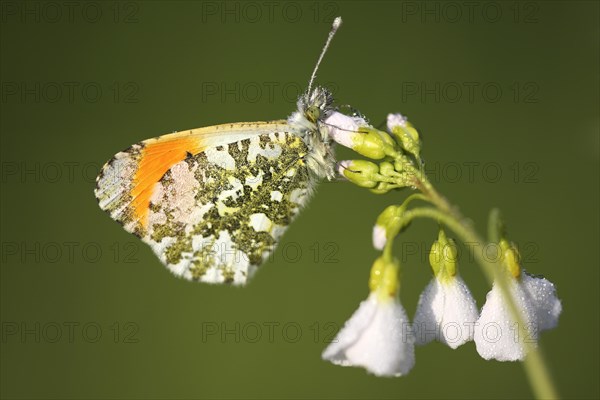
point(422, 183)
point(537, 372)
point(414, 196)
point(495, 226)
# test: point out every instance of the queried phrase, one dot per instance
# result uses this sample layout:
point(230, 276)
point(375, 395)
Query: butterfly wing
point(213, 202)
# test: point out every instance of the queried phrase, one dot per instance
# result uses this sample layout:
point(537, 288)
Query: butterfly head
point(316, 105)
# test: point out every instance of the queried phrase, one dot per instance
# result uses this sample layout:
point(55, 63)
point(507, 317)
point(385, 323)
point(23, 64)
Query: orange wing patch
point(155, 160)
point(126, 183)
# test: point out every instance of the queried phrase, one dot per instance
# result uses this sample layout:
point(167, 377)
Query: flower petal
point(542, 296)
point(460, 313)
point(350, 333)
point(446, 312)
point(379, 237)
point(429, 313)
point(496, 334)
point(377, 337)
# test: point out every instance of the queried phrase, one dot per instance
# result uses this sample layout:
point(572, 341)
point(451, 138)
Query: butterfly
point(213, 202)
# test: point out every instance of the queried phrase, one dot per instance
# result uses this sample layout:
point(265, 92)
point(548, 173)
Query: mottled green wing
point(217, 215)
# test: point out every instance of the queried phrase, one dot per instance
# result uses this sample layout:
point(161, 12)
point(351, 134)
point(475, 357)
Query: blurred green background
point(505, 93)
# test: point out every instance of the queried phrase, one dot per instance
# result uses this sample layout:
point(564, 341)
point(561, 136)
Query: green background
point(155, 63)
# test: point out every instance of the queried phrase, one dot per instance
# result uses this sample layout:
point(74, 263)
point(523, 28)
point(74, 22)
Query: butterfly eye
point(313, 113)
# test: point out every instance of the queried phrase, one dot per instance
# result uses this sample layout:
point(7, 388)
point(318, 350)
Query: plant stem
point(495, 226)
point(535, 367)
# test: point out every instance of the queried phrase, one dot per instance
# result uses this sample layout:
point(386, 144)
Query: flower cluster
point(379, 336)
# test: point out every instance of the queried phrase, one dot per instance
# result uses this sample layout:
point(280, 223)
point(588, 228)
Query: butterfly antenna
point(336, 24)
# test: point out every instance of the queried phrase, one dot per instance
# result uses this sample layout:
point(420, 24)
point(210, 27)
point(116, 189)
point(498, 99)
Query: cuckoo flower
point(446, 310)
point(497, 335)
point(378, 336)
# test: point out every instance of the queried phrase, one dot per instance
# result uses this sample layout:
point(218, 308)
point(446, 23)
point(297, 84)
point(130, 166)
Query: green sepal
point(511, 258)
point(443, 257)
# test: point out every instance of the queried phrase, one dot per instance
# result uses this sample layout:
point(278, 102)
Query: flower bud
point(344, 129)
point(386, 221)
point(360, 172)
point(386, 168)
point(383, 187)
point(355, 133)
point(405, 132)
point(388, 215)
point(374, 144)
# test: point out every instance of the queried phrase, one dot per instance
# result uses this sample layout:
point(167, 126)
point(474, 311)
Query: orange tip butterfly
point(213, 202)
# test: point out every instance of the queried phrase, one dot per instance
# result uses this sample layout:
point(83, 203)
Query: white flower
point(446, 312)
point(377, 337)
point(379, 237)
point(497, 335)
